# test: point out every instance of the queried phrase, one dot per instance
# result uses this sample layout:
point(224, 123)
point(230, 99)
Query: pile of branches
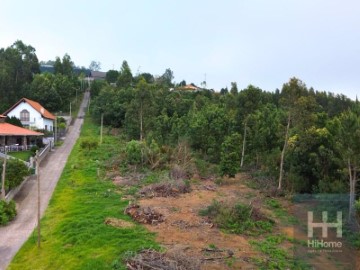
point(168, 189)
point(150, 259)
point(144, 215)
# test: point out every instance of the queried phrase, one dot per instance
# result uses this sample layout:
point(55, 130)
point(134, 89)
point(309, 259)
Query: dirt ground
point(184, 231)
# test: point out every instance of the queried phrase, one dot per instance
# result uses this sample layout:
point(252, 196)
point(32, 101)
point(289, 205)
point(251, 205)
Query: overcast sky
point(257, 42)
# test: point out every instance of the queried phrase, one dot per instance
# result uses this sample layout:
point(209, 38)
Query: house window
point(45, 127)
point(24, 115)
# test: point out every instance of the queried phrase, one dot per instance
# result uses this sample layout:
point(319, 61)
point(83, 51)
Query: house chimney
point(42, 110)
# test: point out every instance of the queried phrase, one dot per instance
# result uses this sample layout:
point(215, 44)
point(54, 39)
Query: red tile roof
point(36, 105)
point(7, 129)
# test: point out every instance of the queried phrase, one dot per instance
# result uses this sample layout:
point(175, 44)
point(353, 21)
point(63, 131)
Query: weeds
point(238, 219)
point(277, 258)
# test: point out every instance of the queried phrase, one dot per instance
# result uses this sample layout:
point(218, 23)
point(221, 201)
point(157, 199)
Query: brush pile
point(168, 189)
point(150, 259)
point(144, 215)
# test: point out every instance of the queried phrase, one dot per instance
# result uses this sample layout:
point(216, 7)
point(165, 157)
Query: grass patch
point(74, 233)
point(276, 257)
point(238, 219)
point(23, 155)
point(281, 213)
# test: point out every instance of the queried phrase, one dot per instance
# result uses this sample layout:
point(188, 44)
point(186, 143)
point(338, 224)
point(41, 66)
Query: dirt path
point(13, 236)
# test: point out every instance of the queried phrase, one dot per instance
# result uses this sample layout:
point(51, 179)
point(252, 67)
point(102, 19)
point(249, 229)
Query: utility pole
point(101, 128)
point(70, 108)
point(3, 176)
point(38, 197)
point(55, 133)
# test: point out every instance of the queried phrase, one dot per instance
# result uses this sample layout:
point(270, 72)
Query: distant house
point(32, 115)
point(16, 137)
point(97, 75)
point(189, 87)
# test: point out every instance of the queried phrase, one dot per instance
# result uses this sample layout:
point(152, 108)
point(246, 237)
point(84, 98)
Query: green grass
point(277, 257)
point(74, 235)
point(278, 210)
point(23, 155)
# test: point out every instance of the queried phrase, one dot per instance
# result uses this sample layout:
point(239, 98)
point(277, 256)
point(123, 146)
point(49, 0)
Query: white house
point(32, 115)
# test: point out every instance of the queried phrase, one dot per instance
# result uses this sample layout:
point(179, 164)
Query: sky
point(258, 42)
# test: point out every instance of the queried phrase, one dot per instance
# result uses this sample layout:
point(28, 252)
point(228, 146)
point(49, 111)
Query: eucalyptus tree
point(348, 142)
point(125, 77)
point(290, 93)
point(249, 100)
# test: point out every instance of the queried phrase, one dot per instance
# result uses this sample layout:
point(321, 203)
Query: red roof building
point(14, 135)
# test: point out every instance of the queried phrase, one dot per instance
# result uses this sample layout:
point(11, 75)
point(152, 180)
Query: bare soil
point(184, 231)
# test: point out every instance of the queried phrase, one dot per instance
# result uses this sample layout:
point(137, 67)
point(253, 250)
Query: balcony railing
point(16, 148)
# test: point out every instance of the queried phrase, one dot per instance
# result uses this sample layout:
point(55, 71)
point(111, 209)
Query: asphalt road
point(13, 236)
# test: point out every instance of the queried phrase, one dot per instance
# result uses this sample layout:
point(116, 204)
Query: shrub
point(134, 152)
point(230, 155)
point(16, 171)
point(239, 219)
point(34, 149)
point(88, 144)
point(357, 207)
point(7, 212)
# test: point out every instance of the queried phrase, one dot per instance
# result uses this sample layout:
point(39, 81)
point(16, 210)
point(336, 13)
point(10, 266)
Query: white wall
point(36, 120)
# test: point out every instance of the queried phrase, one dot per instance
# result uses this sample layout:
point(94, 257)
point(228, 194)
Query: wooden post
point(3, 176)
point(38, 198)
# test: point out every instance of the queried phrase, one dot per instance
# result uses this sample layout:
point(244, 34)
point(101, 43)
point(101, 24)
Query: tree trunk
point(352, 182)
point(141, 121)
point(243, 146)
point(283, 153)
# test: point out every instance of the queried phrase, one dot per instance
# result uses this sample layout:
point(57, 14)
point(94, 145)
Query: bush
point(33, 150)
point(7, 212)
point(134, 152)
point(357, 207)
point(88, 144)
point(230, 155)
point(239, 219)
point(16, 171)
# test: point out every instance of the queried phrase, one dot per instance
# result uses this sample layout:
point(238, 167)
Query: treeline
point(305, 140)
point(20, 77)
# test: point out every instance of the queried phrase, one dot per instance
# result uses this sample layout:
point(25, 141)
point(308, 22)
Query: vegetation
point(20, 77)
point(7, 212)
point(16, 171)
point(239, 219)
point(23, 155)
point(74, 233)
point(278, 258)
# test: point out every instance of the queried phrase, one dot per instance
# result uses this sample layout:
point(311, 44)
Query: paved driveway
point(13, 236)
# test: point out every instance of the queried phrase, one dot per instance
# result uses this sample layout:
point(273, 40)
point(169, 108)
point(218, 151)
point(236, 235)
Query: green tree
point(290, 93)
point(348, 142)
point(18, 64)
point(14, 121)
point(125, 76)
point(16, 171)
point(112, 76)
point(140, 110)
point(230, 155)
point(65, 66)
point(249, 100)
point(234, 89)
